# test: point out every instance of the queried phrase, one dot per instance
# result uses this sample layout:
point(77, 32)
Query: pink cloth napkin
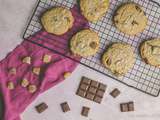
point(15, 101)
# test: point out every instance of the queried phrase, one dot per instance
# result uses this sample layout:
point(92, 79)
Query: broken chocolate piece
point(138, 8)
point(134, 22)
point(85, 111)
point(155, 50)
point(115, 93)
point(65, 107)
point(127, 107)
point(108, 62)
point(41, 107)
point(93, 45)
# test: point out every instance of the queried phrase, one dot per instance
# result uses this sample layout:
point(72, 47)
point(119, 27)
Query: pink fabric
point(15, 101)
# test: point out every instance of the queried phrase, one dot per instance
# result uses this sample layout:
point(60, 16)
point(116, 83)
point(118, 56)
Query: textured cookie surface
point(130, 19)
point(57, 20)
point(150, 52)
point(93, 10)
point(119, 58)
point(85, 43)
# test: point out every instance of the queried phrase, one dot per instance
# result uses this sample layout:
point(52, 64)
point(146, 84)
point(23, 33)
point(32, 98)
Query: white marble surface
point(13, 18)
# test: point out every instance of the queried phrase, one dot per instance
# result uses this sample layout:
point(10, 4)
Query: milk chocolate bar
point(91, 90)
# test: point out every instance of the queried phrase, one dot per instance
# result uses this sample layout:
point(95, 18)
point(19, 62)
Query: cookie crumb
point(24, 83)
point(12, 71)
point(36, 70)
point(10, 85)
point(47, 58)
point(67, 74)
point(32, 88)
point(26, 60)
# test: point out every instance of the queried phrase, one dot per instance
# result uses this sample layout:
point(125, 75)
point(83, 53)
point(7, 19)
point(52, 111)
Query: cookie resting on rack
point(119, 58)
point(85, 43)
point(94, 10)
point(130, 19)
point(150, 52)
point(57, 20)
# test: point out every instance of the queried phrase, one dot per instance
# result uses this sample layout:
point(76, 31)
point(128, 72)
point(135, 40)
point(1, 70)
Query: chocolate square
point(102, 87)
point(86, 80)
point(81, 93)
point(95, 84)
point(131, 106)
point(84, 86)
point(85, 111)
point(92, 90)
point(41, 107)
point(100, 93)
point(115, 93)
point(65, 107)
point(90, 96)
point(98, 99)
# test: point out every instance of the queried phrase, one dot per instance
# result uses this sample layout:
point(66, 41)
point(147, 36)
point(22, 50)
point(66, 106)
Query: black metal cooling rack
point(142, 77)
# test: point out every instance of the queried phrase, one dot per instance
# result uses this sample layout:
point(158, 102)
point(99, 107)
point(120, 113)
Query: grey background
point(13, 19)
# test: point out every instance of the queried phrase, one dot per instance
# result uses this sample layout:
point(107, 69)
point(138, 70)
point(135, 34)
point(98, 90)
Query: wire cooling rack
point(142, 77)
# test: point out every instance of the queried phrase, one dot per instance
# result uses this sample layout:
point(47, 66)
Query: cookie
point(57, 20)
point(93, 10)
point(119, 58)
point(130, 19)
point(85, 43)
point(150, 52)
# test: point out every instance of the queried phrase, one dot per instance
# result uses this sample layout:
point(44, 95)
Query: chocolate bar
point(91, 90)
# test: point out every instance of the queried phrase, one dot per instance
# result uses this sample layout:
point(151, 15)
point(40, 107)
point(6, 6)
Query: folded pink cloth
point(15, 101)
